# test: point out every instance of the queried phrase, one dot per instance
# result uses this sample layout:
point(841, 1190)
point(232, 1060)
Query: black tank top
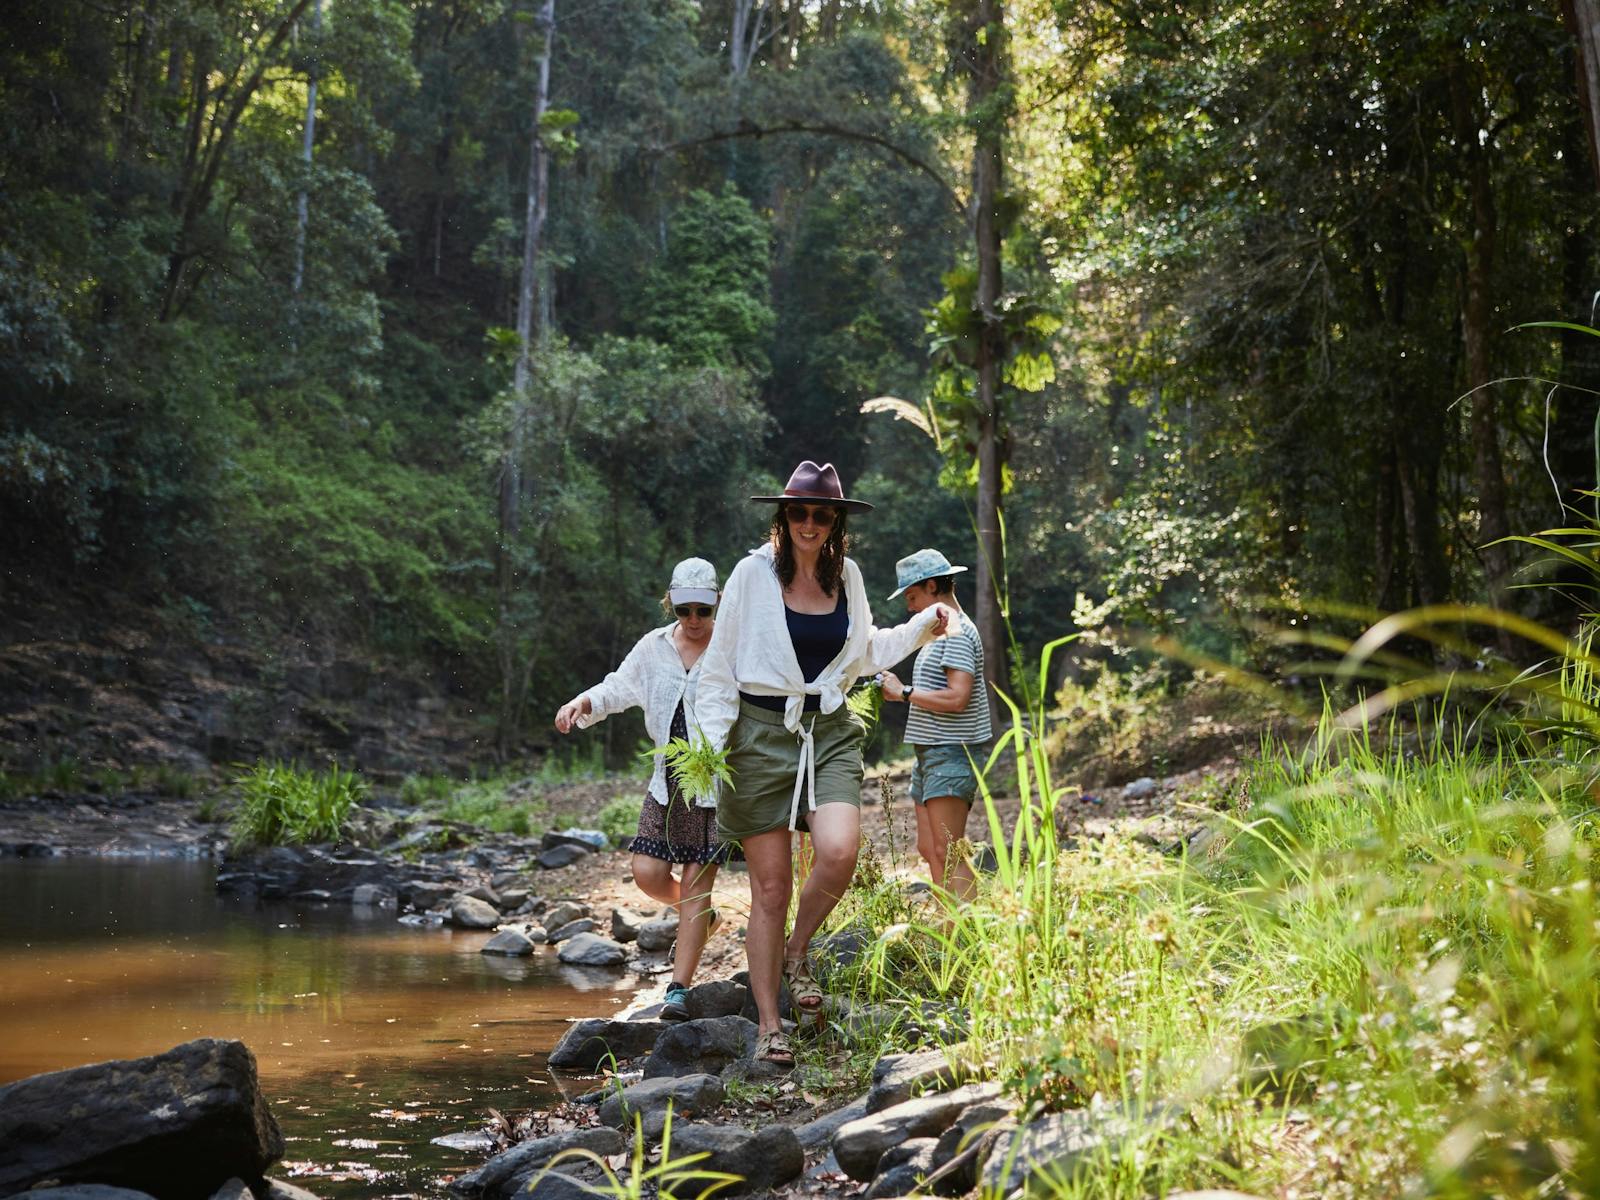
point(817, 639)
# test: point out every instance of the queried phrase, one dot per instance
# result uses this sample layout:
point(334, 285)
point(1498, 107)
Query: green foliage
point(496, 805)
point(701, 770)
point(417, 790)
point(866, 702)
point(707, 296)
point(280, 803)
point(556, 132)
point(1392, 935)
point(389, 545)
point(619, 819)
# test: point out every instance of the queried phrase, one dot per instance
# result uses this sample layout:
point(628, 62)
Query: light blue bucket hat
point(921, 565)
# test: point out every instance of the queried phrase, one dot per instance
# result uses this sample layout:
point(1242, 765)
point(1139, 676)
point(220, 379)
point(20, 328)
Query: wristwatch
point(905, 694)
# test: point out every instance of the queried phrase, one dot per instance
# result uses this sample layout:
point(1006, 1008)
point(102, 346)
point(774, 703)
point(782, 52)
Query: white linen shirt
point(652, 678)
point(751, 649)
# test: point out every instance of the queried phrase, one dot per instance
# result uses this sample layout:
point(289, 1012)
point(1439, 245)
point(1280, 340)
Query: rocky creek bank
point(932, 1122)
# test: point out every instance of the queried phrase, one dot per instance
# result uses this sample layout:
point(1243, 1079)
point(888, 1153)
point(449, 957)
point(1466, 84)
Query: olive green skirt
point(764, 756)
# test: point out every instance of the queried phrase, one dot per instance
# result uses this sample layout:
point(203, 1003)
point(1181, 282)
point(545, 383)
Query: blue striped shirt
point(961, 650)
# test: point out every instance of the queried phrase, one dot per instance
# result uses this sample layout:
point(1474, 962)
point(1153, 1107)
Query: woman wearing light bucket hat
point(661, 675)
point(947, 724)
point(794, 633)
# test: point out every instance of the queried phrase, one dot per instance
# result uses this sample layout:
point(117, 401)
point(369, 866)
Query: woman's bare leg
point(946, 821)
point(654, 877)
point(694, 919)
point(835, 842)
point(768, 859)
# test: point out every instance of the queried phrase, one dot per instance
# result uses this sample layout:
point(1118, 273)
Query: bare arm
point(951, 698)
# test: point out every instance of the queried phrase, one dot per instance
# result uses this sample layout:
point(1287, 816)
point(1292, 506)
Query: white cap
point(694, 581)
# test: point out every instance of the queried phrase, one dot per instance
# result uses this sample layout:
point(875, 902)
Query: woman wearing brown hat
point(794, 633)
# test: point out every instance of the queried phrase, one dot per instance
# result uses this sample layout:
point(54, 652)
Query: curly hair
point(830, 560)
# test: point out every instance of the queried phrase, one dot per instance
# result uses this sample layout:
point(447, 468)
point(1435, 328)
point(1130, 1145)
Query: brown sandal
point(804, 993)
point(773, 1048)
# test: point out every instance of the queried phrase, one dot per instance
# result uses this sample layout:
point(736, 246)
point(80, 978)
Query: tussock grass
point(280, 803)
point(1374, 973)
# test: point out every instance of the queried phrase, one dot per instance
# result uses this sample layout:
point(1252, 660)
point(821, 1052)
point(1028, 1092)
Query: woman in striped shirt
point(948, 719)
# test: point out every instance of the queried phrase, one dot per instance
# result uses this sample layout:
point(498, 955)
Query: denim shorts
point(946, 771)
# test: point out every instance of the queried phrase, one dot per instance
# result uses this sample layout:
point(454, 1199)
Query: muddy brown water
point(372, 1037)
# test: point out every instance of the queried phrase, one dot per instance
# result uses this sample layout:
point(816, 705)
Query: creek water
point(372, 1037)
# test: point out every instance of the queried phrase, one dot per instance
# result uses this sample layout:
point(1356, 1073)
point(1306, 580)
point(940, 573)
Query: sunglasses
point(821, 514)
point(692, 610)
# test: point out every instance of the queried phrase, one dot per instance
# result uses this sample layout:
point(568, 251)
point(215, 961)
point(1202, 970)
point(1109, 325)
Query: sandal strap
point(802, 984)
point(775, 1042)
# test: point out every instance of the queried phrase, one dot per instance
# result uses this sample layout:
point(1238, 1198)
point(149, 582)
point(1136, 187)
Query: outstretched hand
point(567, 715)
point(943, 618)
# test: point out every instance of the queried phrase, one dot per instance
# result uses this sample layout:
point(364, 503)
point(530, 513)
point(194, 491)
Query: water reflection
point(372, 1037)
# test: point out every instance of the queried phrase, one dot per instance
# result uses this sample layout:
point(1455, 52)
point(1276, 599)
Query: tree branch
point(826, 129)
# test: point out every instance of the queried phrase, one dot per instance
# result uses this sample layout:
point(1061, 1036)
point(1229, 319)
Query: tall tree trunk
point(745, 37)
point(131, 131)
point(1419, 455)
point(303, 208)
point(987, 66)
point(1477, 316)
point(1583, 22)
point(529, 330)
point(1386, 565)
point(1572, 428)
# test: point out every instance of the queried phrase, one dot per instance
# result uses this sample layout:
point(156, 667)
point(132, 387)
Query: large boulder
point(706, 1045)
point(817, 1133)
point(717, 998)
point(557, 857)
point(859, 1145)
point(372, 895)
point(764, 1158)
point(658, 934)
point(591, 950)
point(423, 894)
point(178, 1124)
point(625, 924)
point(902, 1169)
point(469, 912)
point(511, 899)
point(588, 839)
point(512, 1172)
point(571, 929)
point(898, 1077)
point(564, 911)
point(687, 1095)
point(1056, 1147)
point(963, 1147)
point(510, 942)
point(588, 1044)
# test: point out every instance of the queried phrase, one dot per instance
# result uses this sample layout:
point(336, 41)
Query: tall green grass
point(1374, 973)
point(280, 803)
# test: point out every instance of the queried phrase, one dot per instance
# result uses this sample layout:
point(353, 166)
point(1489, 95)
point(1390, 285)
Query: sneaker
point(676, 1007)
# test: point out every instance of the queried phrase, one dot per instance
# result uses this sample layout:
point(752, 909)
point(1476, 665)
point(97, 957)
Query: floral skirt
point(680, 831)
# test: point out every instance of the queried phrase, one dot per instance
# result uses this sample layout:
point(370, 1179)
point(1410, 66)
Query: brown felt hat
point(819, 485)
